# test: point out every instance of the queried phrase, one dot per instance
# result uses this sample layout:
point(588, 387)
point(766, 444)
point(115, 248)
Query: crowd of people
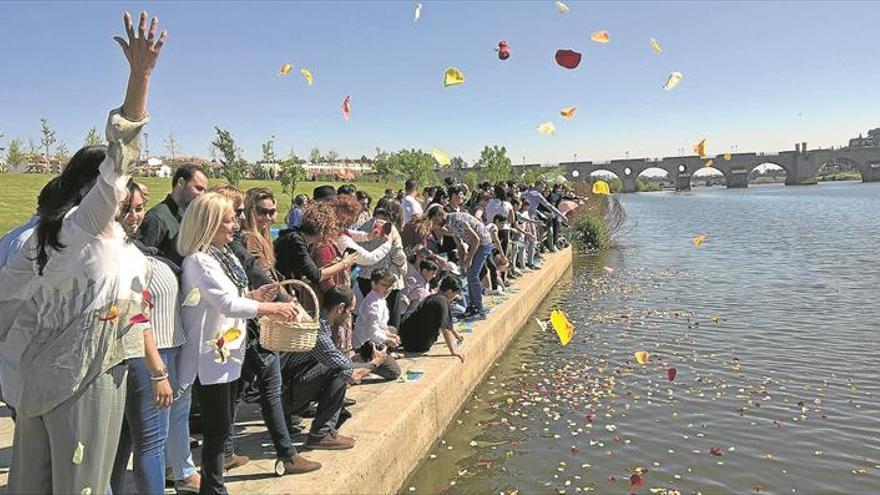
point(125, 328)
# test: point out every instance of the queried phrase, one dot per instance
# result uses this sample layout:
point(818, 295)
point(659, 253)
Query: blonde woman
point(259, 216)
point(215, 309)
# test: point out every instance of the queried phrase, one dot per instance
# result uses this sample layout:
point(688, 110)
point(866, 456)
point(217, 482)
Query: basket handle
point(308, 289)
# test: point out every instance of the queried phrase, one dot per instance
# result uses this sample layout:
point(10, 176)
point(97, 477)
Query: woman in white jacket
point(214, 311)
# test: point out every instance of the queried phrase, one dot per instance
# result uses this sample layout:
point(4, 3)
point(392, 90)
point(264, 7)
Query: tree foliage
point(233, 163)
point(269, 150)
point(171, 145)
point(383, 165)
point(315, 156)
point(93, 138)
point(47, 138)
point(414, 164)
point(62, 154)
point(494, 163)
point(16, 156)
point(292, 173)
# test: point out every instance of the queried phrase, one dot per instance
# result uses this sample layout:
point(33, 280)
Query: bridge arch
point(654, 178)
point(769, 169)
point(708, 177)
point(858, 167)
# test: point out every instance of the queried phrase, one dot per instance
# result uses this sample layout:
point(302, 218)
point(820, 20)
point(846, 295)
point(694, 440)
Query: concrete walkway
point(395, 423)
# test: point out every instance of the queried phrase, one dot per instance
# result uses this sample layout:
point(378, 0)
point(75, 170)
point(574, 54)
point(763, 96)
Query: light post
point(575, 157)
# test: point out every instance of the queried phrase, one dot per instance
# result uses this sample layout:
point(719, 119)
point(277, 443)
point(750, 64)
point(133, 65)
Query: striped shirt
point(165, 316)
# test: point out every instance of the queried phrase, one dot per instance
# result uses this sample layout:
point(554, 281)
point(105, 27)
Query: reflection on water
point(771, 325)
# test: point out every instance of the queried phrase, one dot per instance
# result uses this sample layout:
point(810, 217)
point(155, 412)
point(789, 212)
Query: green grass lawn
point(18, 194)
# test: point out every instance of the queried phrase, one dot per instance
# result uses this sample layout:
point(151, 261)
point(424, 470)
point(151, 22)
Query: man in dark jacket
point(162, 223)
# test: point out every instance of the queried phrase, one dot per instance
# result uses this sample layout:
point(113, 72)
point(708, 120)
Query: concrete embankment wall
point(395, 424)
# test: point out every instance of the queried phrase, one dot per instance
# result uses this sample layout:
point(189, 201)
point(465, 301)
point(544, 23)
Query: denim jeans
point(145, 429)
point(178, 456)
point(475, 287)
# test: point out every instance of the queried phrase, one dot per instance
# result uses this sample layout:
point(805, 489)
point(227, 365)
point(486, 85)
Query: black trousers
point(313, 381)
point(219, 399)
point(393, 301)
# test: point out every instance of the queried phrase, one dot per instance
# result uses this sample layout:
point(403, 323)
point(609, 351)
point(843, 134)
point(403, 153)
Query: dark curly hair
point(319, 220)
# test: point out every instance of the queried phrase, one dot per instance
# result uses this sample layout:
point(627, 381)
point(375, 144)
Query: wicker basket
point(291, 337)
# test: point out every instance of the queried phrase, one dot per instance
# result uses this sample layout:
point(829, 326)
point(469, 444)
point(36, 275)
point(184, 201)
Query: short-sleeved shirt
point(422, 326)
point(456, 222)
point(411, 206)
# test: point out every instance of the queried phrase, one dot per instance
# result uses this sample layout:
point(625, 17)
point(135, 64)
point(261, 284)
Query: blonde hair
point(259, 242)
point(229, 191)
point(201, 221)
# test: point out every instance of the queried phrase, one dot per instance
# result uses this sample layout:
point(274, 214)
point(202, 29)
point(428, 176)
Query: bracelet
point(159, 378)
point(159, 375)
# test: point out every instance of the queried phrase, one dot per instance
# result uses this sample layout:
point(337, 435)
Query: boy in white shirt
point(372, 314)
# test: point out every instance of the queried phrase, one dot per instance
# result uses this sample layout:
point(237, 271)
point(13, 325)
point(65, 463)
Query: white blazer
point(220, 307)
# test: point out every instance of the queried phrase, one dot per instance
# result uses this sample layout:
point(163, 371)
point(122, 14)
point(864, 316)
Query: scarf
point(231, 267)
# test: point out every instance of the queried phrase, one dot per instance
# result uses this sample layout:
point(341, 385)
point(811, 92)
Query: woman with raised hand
point(217, 305)
point(77, 309)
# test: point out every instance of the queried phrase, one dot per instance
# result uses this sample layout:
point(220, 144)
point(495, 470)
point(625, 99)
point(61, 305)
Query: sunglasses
point(267, 211)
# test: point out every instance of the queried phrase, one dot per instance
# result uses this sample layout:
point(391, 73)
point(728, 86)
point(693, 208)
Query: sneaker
point(331, 441)
point(295, 465)
point(234, 461)
point(474, 314)
point(189, 485)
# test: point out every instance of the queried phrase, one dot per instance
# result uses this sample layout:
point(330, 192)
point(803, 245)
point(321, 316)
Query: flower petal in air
point(417, 13)
point(346, 107)
point(306, 73)
point(602, 37)
point(673, 80)
point(138, 318)
point(568, 113)
point(601, 188)
point(147, 297)
point(655, 46)
point(547, 128)
point(561, 7)
point(569, 59)
point(700, 148)
point(284, 70)
point(452, 77)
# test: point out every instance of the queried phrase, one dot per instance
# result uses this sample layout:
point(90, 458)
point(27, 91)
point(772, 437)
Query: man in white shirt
point(411, 205)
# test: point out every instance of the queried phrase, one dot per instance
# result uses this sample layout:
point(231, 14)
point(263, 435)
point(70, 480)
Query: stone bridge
point(800, 165)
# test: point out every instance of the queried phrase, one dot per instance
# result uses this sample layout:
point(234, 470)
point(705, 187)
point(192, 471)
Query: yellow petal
point(699, 239)
point(641, 356)
point(453, 77)
point(306, 74)
point(561, 7)
point(700, 148)
point(547, 128)
point(418, 12)
point(231, 335)
point(86, 491)
point(193, 297)
point(601, 37)
point(78, 453)
point(655, 46)
point(564, 328)
point(709, 163)
point(568, 113)
point(285, 70)
point(601, 187)
point(727, 156)
point(441, 157)
point(673, 80)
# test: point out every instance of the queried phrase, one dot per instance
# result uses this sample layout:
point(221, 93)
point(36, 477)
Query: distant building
point(871, 141)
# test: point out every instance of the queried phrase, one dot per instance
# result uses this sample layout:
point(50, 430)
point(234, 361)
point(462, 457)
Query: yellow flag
point(601, 37)
point(285, 70)
point(306, 74)
point(700, 148)
point(547, 128)
point(642, 356)
point(601, 187)
point(655, 46)
point(564, 328)
point(673, 80)
point(568, 113)
point(453, 77)
point(441, 157)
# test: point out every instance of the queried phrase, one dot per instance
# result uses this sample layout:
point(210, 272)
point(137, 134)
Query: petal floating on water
point(636, 481)
point(569, 59)
point(699, 239)
point(561, 7)
point(452, 77)
point(655, 46)
point(673, 80)
point(608, 269)
point(306, 73)
point(285, 70)
point(547, 128)
point(441, 157)
point(602, 37)
point(641, 356)
point(670, 374)
point(568, 113)
point(564, 328)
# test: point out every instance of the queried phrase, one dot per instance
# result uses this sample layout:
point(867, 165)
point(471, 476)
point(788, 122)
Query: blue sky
point(759, 75)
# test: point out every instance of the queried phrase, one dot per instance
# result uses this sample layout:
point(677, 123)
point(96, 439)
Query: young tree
point(495, 164)
point(269, 150)
point(171, 145)
point(332, 156)
point(292, 173)
point(233, 164)
point(62, 154)
point(47, 139)
point(315, 156)
point(458, 164)
point(15, 154)
point(383, 166)
point(93, 138)
point(415, 164)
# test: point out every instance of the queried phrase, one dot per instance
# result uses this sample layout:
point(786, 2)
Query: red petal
point(716, 452)
point(138, 318)
point(568, 58)
point(148, 297)
point(670, 373)
point(636, 481)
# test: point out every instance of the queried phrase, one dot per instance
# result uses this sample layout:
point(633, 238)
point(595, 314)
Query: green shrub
point(591, 232)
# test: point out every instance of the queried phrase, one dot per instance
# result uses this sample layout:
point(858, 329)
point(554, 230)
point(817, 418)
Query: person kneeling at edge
point(421, 327)
point(323, 375)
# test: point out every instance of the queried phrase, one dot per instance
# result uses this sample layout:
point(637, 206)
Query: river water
point(772, 327)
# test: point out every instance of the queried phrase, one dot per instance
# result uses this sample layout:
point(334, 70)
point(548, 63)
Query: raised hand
point(142, 49)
